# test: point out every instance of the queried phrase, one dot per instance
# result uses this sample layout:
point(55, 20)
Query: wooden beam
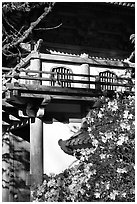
point(54, 90)
point(59, 97)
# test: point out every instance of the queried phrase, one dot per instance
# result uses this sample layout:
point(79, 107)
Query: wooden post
point(36, 152)
point(36, 139)
point(5, 167)
point(85, 70)
point(35, 64)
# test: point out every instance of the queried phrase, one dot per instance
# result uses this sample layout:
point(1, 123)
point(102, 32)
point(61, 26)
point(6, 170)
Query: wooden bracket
point(40, 112)
point(46, 100)
point(31, 110)
point(35, 110)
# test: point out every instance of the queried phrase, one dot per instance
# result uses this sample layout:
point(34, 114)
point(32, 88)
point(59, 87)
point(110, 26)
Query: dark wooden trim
point(49, 72)
point(59, 97)
point(42, 89)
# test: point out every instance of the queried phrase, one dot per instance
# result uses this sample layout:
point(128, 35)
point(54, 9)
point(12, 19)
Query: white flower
point(83, 152)
point(133, 89)
point(122, 139)
point(123, 195)
point(102, 156)
point(89, 129)
point(121, 171)
point(125, 115)
point(92, 120)
point(95, 142)
point(130, 116)
point(92, 150)
point(97, 185)
point(128, 127)
point(108, 135)
point(94, 172)
point(99, 114)
point(104, 139)
point(87, 185)
point(120, 142)
point(97, 194)
point(113, 105)
point(71, 187)
point(107, 185)
point(123, 125)
point(51, 183)
point(82, 191)
point(82, 158)
point(113, 194)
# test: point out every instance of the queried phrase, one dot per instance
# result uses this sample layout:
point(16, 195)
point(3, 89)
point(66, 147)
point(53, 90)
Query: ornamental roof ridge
point(79, 55)
point(125, 4)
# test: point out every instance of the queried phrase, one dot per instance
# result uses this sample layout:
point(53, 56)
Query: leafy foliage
point(106, 171)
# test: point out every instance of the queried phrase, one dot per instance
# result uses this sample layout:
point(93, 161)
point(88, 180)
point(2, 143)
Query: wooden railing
point(105, 80)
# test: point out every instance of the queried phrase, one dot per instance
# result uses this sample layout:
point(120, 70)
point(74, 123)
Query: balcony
point(64, 87)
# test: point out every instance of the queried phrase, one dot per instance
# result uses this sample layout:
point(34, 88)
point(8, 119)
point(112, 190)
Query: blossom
point(91, 120)
point(128, 127)
point(113, 105)
point(97, 185)
point(113, 194)
point(93, 172)
point(107, 185)
point(95, 142)
point(123, 195)
point(71, 187)
point(122, 139)
point(108, 135)
point(51, 183)
point(100, 114)
point(130, 116)
point(125, 115)
point(102, 156)
point(121, 171)
point(123, 125)
point(97, 194)
point(104, 139)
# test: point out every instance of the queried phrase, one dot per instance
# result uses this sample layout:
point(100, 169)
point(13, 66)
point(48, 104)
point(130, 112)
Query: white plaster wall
point(55, 160)
point(78, 69)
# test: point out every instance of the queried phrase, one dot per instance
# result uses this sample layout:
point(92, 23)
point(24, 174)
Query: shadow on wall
point(15, 168)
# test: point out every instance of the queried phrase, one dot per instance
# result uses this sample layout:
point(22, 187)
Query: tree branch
point(29, 30)
point(49, 28)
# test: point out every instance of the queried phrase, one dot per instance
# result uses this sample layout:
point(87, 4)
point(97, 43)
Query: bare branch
point(11, 54)
point(10, 24)
point(28, 31)
point(49, 28)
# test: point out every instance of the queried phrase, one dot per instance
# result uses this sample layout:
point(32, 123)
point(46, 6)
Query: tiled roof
point(79, 140)
point(126, 4)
